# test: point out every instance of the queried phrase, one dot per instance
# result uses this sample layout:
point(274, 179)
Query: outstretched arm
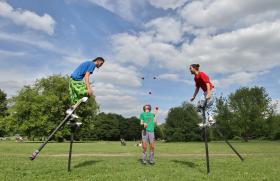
point(156, 115)
point(195, 93)
point(208, 95)
point(89, 91)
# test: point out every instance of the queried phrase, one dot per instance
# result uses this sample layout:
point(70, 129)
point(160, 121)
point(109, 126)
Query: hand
point(192, 99)
point(156, 110)
point(89, 92)
point(145, 125)
point(208, 96)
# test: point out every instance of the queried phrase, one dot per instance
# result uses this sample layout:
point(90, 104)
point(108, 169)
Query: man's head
point(147, 108)
point(194, 68)
point(98, 61)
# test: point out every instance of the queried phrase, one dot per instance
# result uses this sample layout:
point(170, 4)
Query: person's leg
point(73, 95)
point(152, 147)
point(144, 146)
point(78, 90)
point(210, 110)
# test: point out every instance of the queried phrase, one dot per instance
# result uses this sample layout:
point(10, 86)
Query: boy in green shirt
point(148, 121)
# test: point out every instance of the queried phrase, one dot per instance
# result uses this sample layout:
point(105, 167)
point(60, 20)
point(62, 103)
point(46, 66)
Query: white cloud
point(7, 53)
point(10, 87)
point(166, 55)
point(169, 76)
point(168, 4)
point(29, 39)
point(140, 49)
point(34, 40)
point(240, 78)
point(130, 48)
point(123, 8)
point(115, 99)
point(276, 103)
point(116, 89)
point(116, 74)
point(29, 19)
point(13, 79)
point(241, 50)
point(237, 55)
point(229, 14)
point(250, 49)
point(165, 29)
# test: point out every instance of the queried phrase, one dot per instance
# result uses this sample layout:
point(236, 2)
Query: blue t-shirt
point(82, 69)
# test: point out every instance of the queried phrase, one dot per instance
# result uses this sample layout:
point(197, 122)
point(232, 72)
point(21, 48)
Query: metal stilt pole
point(206, 140)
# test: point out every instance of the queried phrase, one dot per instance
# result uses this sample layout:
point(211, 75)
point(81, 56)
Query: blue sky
point(235, 42)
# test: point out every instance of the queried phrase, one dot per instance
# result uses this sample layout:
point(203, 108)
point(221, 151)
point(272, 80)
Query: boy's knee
point(144, 146)
point(152, 146)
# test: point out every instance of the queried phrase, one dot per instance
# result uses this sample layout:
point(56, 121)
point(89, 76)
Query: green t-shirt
point(148, 118)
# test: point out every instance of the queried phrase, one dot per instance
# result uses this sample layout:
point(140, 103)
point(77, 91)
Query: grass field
point(110, 161)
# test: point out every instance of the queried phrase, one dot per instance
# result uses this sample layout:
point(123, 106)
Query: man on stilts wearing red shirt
point(202, 81)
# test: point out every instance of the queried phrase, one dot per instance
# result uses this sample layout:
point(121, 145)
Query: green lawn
point(110, 161)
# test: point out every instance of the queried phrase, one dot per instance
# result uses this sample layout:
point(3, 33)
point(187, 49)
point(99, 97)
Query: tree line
point(246, 114)
point(37, 109)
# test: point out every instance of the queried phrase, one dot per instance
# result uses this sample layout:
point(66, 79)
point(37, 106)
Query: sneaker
point(201, 125)
point(144, 162)
point(211, 120)
point(74, 116)
point(207, 124)
point(79, 124)
point(151, 162)
point(69, 111)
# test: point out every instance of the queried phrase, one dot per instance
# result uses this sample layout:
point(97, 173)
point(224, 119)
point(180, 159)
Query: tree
point(3, 113)
point(159, 131)
point(3, 103)
point(275, 127)
point(41, 107)
point(88, 115)
point(181, 124)
point(224, 118)
point(134, 129)
point(107, 127)
point(123, 127)
point(114, 127)
point(250, 108)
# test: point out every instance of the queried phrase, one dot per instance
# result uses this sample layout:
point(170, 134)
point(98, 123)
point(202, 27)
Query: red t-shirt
point(200, 81)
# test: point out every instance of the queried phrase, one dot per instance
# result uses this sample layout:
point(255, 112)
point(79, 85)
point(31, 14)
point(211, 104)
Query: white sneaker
point(207, 124)
point(201, 125)
point(211, 121)
point(79, 124)
point(144, 162)
point(152, 162)
point(69, 111)
point(74, 116)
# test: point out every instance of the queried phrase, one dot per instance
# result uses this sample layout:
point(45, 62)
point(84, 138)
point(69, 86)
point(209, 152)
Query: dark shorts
point(148, 137)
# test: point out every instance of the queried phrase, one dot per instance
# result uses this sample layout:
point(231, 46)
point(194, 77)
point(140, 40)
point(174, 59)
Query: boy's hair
point(150, 107)
point(195, 66)
point(98, 58)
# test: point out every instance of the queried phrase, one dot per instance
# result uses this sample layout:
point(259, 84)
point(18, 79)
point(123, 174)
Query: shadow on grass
point(141, 162)
point(186, 163)
point(87, 163)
